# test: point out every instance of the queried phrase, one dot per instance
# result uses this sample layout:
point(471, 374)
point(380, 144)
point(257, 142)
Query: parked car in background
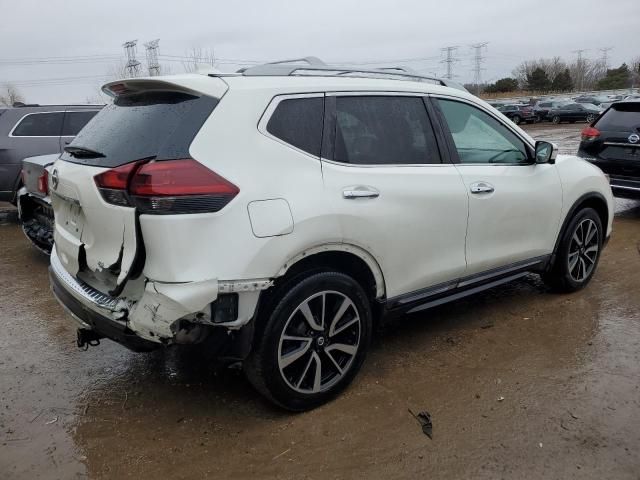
point(174, 220)
point(31, 130)
point(574, 112)
point(34, 205)
point(592, 99)
point(542, 107)
point(518, 113)
point(613, 143)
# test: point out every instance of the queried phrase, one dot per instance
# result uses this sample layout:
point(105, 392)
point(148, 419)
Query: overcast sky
point(92, 32)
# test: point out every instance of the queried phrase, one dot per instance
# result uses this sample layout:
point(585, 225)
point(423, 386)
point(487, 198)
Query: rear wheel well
point(343, 262)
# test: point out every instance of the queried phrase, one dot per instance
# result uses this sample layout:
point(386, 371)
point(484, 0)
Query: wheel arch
point(344, 257)
point(593, 200)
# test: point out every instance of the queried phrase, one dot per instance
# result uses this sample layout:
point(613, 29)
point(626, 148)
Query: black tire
point(590, 118)
point(556, 119)
point(516, 119)
point(561, 276)
point(282, 315)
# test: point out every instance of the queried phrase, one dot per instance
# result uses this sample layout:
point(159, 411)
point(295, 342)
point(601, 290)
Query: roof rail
point(315, 66)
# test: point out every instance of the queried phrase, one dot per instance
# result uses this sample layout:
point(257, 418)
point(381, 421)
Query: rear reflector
point(166, 187)
point(590, 133)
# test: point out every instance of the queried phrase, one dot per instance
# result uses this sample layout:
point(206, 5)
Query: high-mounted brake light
point(590, 133)
point(166, 187)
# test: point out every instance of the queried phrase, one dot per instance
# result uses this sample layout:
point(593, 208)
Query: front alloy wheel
point(312, 335)
point(556, 119)
point(583, 250)
point(578, 253)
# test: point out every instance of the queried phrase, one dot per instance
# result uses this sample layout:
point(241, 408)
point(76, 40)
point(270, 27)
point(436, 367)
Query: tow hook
point(87, 338)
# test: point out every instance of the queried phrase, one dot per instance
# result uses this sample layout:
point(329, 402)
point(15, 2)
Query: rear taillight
point(166, 187)
point(113, 184)
point(43, 183)
point(590, 133)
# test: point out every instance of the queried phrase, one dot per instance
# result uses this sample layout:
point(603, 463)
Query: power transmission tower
point(580, 68)
point(449, 59)
point(152, 57)
point(478, 59)
point(133, 65)
point(605, 57)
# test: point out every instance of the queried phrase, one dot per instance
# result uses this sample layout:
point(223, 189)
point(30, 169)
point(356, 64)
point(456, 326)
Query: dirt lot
point(521, 383)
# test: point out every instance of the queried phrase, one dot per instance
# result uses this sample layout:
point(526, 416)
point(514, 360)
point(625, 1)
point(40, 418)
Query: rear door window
point(382, 130)
point(47, 124)
point(624, 117)
point(158, 124)
point(75, 121)
point(298, 122)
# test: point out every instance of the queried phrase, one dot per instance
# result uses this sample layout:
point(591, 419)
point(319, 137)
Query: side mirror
point(546, 152)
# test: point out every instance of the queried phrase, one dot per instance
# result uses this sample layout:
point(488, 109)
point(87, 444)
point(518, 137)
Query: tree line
point(555, 75)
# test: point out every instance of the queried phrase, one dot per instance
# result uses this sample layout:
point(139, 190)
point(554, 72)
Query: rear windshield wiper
point(83, 152)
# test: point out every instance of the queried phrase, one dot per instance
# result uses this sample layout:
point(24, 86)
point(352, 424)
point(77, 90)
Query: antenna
point(152, 57)
point(478, 60)
point(133, 65)
point(450, 59)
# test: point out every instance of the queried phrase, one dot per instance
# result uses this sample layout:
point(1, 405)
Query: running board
point(467, 292)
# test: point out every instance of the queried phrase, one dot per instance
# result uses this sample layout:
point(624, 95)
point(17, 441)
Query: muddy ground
point(521, 383)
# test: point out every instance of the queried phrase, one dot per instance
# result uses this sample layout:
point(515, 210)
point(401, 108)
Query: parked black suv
point(27, 131)
point(518, 113)
point(613, 144)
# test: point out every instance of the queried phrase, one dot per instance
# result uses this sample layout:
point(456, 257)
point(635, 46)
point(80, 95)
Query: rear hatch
point(617, 147)
point(97, 234)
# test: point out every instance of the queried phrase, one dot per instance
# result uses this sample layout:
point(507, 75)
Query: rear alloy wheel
point(556, 119)
point(578, 253)
point(590, 118)
point(313, 343)
point(516, 119)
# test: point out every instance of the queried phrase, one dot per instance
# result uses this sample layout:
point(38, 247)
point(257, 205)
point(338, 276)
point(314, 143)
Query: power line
point(133, 65)
point(450, 59)
point(152, 57)
point(478, 59)
point(580, 67)
point(605, 57)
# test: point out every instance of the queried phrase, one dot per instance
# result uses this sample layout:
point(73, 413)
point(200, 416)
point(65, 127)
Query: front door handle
point(360, 191)
point(481, 187)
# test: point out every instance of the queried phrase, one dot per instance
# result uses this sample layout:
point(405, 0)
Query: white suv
point(282, 211)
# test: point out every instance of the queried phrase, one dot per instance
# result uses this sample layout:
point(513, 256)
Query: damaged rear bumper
point(161, 313)
point(89, 319)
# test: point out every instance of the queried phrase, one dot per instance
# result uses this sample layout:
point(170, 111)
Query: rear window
point(39, 125)
point(145, 125)
point(75, 121)
point(622, 116)
point(298, 121)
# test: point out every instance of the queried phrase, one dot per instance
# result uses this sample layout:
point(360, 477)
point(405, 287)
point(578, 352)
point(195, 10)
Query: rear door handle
point(481, 187)
point(360, 191)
